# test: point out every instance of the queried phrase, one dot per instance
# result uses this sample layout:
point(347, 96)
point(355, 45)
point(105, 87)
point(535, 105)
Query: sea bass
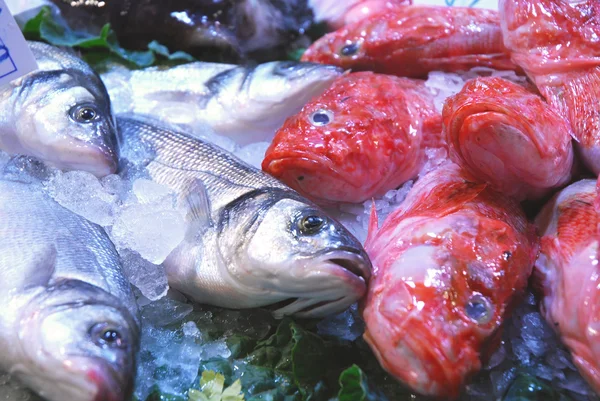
point(252, 241)
point(59, 114)
point(556, 43)
point(412, 41)
point(566, 272)
point(363, 136)
point(509, 137)
point(447, 267)
point(247, 104)
point(69, 325)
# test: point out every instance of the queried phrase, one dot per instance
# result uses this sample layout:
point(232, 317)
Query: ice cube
point(501, 380)
point(253, 153)
point(497, 357)
point(215, 349)
point(165, 312)
point(149, 278)
point(83, 194)
point(346, 325)
point(575, 383)
point(190, 329)
point(535, 333)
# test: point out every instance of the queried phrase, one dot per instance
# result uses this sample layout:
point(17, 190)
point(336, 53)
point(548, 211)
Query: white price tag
point(489, 4)
point(16, 59)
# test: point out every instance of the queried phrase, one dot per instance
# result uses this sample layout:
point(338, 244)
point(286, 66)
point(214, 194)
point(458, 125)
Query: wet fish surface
point(69, 326)
point(59, 114)
point(252, 241)
point(245, 103)
point(449, 265)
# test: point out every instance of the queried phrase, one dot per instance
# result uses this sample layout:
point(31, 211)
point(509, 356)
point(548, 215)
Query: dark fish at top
point(251, 241)
point(59, 114)
point(69, 327)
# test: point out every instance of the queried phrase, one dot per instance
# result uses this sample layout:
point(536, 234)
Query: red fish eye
point(478, 308)
point(350, 49)
point(321, 117)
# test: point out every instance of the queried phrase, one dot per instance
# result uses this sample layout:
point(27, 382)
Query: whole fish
point(69, 325)
point(414, 40)
point(447, 267)
point(244, 103)
point(252, 241)
point(566, 272)
point(59, 114)
point(363, 136)
point(556, 43)
point(509, 137)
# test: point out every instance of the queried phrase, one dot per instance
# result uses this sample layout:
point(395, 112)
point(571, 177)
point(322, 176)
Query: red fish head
point(359, 139)
point(434, 305)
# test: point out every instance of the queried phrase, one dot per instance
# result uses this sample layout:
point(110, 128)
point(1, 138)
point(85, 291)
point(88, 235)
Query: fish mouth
point(110, 385)
point(353, 271)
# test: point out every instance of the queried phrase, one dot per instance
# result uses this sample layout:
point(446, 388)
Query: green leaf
point(296, 54)
point(353, 386)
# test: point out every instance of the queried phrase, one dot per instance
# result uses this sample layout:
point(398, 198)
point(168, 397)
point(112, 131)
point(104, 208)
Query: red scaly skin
point(508, 137)
point(412, 41)
point(557, 43)
point(448, 267)
point(568, 274)
point(374, 142)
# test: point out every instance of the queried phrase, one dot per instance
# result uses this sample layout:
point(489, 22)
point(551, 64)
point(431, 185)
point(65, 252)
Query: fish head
point(344, 48)
point(361, 135)
point(65, 116)
point(79, 344)
point(292, 256)
point(279, 89)
point(436, 306)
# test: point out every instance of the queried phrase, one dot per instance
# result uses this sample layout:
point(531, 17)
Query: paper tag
point(16, 59)
point(489, 4)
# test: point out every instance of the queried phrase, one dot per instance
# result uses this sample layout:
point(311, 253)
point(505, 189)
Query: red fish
point(568, 273)
point(411, 41)
point(448, 266)
point(557, 42)
point(364, 136)
point(508, 137)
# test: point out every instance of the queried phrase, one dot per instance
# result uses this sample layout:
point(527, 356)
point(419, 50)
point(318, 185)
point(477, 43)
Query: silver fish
point(69, 324)
point(252, 241)
point(247, 104)
point(59, 114)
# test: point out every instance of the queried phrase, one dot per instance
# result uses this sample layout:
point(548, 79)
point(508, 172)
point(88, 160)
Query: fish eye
point(350, 49)
point(321, 117)
point(107, 335)
point(506, 255)
point(310, 225)
point(478, 309)
point(84, 113)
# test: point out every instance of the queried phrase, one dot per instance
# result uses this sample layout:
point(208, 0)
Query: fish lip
point(359, 262)
point(110, 385)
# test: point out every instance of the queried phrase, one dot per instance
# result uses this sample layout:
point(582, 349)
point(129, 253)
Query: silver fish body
point(59, 114)
point(247, 104)
point(69, 324)
point(252, 241)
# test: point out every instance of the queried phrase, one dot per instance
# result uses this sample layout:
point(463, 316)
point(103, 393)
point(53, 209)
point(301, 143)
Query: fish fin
point(198, 208)
point(38, 266)
point(373, 223)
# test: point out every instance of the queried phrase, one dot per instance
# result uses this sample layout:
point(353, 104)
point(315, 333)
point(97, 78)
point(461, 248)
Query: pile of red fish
point(453, 260)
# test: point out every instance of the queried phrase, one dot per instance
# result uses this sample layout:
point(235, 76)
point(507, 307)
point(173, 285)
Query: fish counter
point(299, 200)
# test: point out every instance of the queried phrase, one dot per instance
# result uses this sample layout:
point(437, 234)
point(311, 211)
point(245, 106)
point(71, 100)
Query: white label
point(489, 4)
point(16, 59)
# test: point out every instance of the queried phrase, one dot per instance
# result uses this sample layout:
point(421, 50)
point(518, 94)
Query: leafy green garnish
point(211, 384)
point(98, 48)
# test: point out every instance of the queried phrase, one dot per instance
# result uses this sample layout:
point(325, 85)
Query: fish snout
point(111, 385)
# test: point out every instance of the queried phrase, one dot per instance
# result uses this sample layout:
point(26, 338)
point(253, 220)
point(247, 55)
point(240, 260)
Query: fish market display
point(245, 103)
point(508, 137)
point(556, 43)
point(362, 137)
point(567, 273)
point(448, 265)
point(411, 41)
point(69, 327)
point(59, 114)
point(251, 240)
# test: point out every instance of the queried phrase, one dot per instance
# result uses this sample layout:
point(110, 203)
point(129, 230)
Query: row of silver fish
point(70, 328)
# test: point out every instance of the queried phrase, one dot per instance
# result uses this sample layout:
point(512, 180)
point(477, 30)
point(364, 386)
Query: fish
point(212, 30)
point(509, 137)
point(555, 43)
point(449, 265)
point(336, 14)
point(411, 41)
point(70, 326)
point(362, 137)
point(245, 103)
point(251, 240)
point(566, 273)
point(60, 114)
